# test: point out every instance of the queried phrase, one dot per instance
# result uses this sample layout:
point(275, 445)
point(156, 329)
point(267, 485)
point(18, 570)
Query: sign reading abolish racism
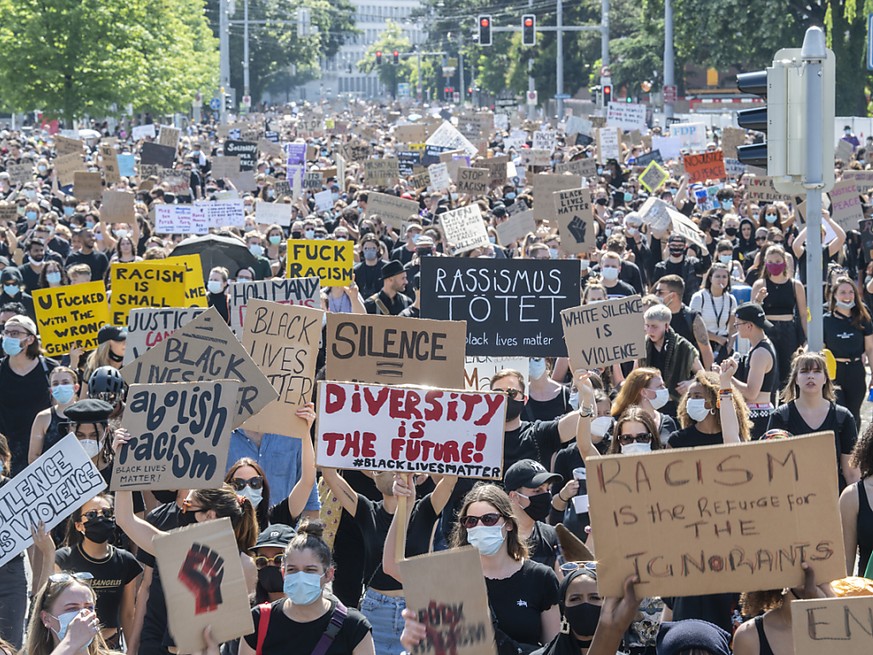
point(718, 519)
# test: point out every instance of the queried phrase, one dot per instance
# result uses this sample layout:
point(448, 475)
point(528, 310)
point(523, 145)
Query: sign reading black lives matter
point(58, 483)
point(575, 220)
point(512, 307)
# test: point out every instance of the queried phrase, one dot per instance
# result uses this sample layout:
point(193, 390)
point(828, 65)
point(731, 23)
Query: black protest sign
point(512, 307)
point(205, 349)
point(180, 435)
point(407, 161)
point(247, 151)
point(644, 159)
point(156, 154)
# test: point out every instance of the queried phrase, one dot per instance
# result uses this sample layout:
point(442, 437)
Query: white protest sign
point(323, 200)
point(270, 213)
point(179, 219)
point(57, 484)
point(447, 136)
point(608, 144)
point(478, 371)
point(626, 115)
point(410, 429)
point(464, 228)
point(224, 213)
point(440, 180)
point(304, 291)
point(148, 326)
point(545, 140)
point(143, 131)
point(691, 135)
point(670, 147)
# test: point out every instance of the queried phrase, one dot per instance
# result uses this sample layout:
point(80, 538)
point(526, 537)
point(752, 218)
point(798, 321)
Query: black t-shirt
point(620, 290)
point(281, 513)
point(23, 397)
point(568, 459)
point(286, 635)
point(374, 521)
point(691, 437)
point(111, 575)
point(154, 625)
point(519, 600)
point(543, 544)
point(95, 259)
point(546, 410)
point(715, 608)
point(537, 440)
point(839, 420)
point(842, 338)
point(368, 278)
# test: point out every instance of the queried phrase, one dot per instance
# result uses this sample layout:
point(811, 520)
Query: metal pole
point(604, 32)
point(668, 54)
point(223, 57)
point(559, 63)
point(418, 86)
point(531, 84)
point(461, 67)
point(813, 53)
point(246, 48)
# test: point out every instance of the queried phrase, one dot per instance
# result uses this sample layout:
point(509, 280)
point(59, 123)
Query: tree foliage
point(391, 39)
point(69, 58)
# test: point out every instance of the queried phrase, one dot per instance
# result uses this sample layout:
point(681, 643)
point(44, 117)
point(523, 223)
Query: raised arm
point(141, 532)
point(347, 496)
point(299, 495)
point(730, 424)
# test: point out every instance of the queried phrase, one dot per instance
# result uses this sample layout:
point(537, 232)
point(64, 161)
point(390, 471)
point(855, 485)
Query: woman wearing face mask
point(848, 334)
point(52, 276)
point(275, 246)
point(772, 216)
point(717, 306)
point(547, 399)
point(64, 620)
point(302, 617)
point(580, 608)
point(217, 288)
point(645, 388)
point(712, 412)
point(115, 571)
point(268, 555)
point(784, 303)
point(51, 424)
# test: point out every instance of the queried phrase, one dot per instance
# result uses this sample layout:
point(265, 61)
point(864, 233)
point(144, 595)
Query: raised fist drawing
point(577, 228)
point(202, 572)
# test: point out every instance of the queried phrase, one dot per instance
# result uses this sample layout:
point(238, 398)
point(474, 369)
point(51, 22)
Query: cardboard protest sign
point(330, 261)
point(762, 190)
point(181, 434)
point(412, 133)
point(393, 210)
point(204, 584)
point(269, 213)
point(846, 207)
point(532, 157)
point(575, 220)
point(147, 327)
point(283, 341)
point(832, 625)
point(381, 172)
point(205, 349)
point(57, 484)
point(143, 131)
point(154, 153)
point(653, 177)
point(145, 284)
point(718, 519)
point(863, 180)
point(605, 333)
point(478, 371)
point(247, 151)
point(843, 150)
point(395, 350)
point(64, 145)
point(626, 115)
point(8, 211)
point(511, 307)
point(586, 167)
point(20, 173)
point(448, 137)
point(646, 158)
point(516, 227)
point(473, 181)
point(87, 186)
point(70, 315)
point(304, 291)
point(464, 228)
point(496, 168)
point(118, 207)
point(705, 166)
point(686, 227)
point(545, 185)
point(447, 592)
point(608, 144)
point(545, 140)
point(410, 429)
point(731, 139)
point(440, 180)
point(169, 136)
point(577, 125)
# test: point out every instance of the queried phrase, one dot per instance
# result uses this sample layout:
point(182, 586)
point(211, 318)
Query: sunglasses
point(760, 238)
point(239, 484)
point(94, 514)
point(512, 393)
point(569, 567)
point(261, 561)
point(82, 576)
point(490, 519)
point(643, 437)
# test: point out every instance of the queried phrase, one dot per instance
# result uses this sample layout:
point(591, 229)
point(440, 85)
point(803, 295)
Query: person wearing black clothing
point(757, 375)
point(390, 301)
point(855, 508)
point(217, 288)
point(686, 322)
point(95, 259)
point(36, 259)
point(680, 263)
point(527, 482)
point(368, 272)
point(405, 252)
point(611, 266)
point(848, 334)
point(11, 281)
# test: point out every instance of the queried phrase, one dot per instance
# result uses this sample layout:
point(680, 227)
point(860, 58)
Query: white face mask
point(536, 368)
point(660, 399)
point(696, 408)
point(255, 496)
point(636, 448)
point(90, 446)
point(600, 425)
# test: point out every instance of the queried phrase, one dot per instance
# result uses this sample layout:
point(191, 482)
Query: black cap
point(277, 535)
point(528, 473)
point(89, 410)
point(392, 268)
point(10, 274)
point(752, 312)
point(111, 333)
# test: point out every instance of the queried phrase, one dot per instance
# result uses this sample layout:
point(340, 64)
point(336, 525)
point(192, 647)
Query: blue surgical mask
point(553, 253)
point(628, 197)
point(63, 393)
point(302, 588)
point(256, 250)
point(309, 234)
point(69, 211)
point(54, 277)
point(255, 496)
point(510, 195)
point(11, 346)
point(492, 239)
point(275, 239)
point(487, 539)
point(536, 368)
point(727, 203)
point(370, 254)
point(11, 289)
point(725, 259)
point(64, 621)
point(89, 224)
point(31, 216)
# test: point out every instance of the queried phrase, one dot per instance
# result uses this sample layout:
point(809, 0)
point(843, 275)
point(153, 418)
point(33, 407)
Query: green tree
point(75, 57)
point(390, 74)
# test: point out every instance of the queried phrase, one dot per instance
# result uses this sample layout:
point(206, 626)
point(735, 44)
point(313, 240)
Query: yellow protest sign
point(70, 315)
point(653, 177)
point(331, 261)
point(146, 284)
point(195, 288)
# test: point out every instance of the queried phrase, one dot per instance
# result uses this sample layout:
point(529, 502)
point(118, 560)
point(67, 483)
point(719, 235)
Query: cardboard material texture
point(381, 172)
point(20, 173)
point(516, 227)
point(575, 220)
point(145, 284)
point(70, 315)
point(863, 179)
point(762, 190)
point(478, 371)
point(87, 186)
point(511, 307)
point(330, 261)
point(832, 625)
point(118, 207)
point(298, 291)
point(653, 177)
point(586, 167)
point(704, 166)
point(148, 326)
point(846, 207)
point(58, 483)
point(64, 145)
point(686, 227)
point(205, 349)
point(731, 139)
point(440, 180)
point(718, 519)
point(410, 429)
point(464, 228)
point(204, 584)
point(169, 136)
point(545, 185)
point(181, 434)
point(605, 333)
point(393, 210)
point(447, 592)
point(283, 341)
point(269, 213)
point(395, 350)
point(496, 168)
point(474, 181)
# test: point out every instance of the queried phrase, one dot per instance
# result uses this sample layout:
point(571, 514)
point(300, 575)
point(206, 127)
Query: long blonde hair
point(807, 361)
point(40, 639)
point(632, 388)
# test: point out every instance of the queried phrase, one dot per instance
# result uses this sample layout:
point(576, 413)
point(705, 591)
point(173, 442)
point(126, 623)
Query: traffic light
point(228, 101)
point(528, 29)
point(758, 119)
point(607, 94)
point(396, 55)
point(378, 57)
point(484, 30)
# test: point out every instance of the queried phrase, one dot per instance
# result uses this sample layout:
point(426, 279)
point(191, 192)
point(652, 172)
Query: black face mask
point(513, 408)
point(270, 578)
point(100, 530)
point(677, 252)
point(187, 518)
point(583, 618)
point(730, 231)
point(296, 235)
point(164, 497)
point(539, 505)
point(116, 358)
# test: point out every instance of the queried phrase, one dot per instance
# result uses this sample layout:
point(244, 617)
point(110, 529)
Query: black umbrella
point(216, 250)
